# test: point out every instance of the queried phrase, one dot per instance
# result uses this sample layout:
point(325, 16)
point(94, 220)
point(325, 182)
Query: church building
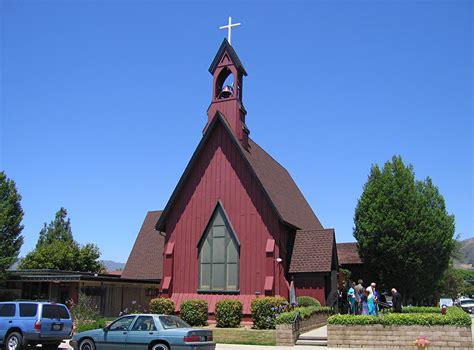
point(236, 225)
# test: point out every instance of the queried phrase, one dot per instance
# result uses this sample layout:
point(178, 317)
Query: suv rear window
point(28, 310)
point(7, 310)
point(54, 312)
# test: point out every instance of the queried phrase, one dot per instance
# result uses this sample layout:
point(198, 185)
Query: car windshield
point(467, 301)
point(169, 322)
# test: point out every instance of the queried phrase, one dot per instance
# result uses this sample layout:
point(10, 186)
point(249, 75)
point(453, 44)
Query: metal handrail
point(295, 325)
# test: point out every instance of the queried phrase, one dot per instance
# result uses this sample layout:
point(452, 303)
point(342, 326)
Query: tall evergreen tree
point(403, 230)
point(56, 249)
point(58, 230)
point(11, 215)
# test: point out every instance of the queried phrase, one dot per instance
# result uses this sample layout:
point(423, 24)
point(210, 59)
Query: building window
point(219, 255)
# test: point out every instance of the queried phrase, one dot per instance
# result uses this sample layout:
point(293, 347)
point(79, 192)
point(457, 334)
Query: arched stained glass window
point(219, 255)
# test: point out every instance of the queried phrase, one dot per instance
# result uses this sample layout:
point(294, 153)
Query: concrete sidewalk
point(251, 347)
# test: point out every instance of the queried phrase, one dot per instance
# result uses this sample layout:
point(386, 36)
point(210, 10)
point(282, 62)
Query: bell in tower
point(226, 92)
point(228, 73)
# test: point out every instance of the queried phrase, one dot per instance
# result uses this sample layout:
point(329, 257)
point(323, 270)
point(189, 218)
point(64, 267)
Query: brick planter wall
point(399, 337)
point(286, 336)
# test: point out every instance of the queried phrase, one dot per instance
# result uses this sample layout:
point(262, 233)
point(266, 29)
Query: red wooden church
point(236, 225)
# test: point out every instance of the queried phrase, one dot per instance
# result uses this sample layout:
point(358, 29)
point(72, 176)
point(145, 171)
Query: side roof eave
point(161, 224)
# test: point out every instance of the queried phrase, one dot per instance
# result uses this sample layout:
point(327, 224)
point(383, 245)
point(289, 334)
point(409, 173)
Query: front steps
point(312, 340)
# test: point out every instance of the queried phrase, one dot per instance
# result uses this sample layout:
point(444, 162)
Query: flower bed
point(401, 331)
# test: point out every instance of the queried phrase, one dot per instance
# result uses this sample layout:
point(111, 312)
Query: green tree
point(56, 249)
point(452, 284)
point(403, 230)
point(11, 215)
point(58, 230)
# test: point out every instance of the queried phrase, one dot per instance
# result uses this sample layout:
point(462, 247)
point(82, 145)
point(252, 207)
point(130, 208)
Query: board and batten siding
point(221, 173)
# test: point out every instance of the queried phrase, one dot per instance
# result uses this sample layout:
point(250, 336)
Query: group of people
point(368, 301)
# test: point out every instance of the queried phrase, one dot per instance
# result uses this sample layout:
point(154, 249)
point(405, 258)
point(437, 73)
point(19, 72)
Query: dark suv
point(25, 323)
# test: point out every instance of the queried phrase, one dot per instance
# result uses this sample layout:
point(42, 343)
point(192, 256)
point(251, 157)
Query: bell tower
point(227, 91)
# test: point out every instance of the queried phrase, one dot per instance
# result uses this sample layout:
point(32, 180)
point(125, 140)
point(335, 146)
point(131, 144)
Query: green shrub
point(228, 313)
point(194, 312)
point(304, 312)
point(85, 311)
point(265, 310)
point(421, 310)
point(87, 326)
point(162, 306)
point(455, 316)
point(305, 301)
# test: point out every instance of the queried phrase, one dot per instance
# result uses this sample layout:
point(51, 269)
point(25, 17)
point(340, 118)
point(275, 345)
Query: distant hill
point(467, 250)
point(113, 265)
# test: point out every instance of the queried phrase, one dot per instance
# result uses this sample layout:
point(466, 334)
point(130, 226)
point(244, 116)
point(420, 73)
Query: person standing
point(351, 298)
point(364, 306)
point(373, 295)
point(396, 301)
point(359, 291)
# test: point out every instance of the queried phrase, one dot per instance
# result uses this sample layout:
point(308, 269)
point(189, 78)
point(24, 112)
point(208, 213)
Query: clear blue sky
point(103, 102)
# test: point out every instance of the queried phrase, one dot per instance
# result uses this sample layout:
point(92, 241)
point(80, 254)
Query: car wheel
point(14, 341)
point(160, 346)
point(87, 344)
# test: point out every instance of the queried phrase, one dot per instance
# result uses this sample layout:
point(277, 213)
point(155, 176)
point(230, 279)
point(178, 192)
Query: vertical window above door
point(219, 255)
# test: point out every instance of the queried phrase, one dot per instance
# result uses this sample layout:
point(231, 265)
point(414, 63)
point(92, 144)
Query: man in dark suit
point(396, 301)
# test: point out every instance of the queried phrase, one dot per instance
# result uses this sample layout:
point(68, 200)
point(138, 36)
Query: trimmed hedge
point(305, 301)
point(421, 310)
point(228, 313)
point(162, 306)
point(265, 310)
point(305, 312)
point(194, 312)
point(455, 316)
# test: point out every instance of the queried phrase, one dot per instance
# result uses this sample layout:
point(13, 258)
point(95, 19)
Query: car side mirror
point(105, 329)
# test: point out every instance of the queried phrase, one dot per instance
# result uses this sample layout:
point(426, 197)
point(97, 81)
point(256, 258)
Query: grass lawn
point(243, 335)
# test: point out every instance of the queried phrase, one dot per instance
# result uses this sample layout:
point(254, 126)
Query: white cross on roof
point(229, 29)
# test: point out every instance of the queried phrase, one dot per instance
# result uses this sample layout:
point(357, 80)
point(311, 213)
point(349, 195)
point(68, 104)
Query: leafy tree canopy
point(56, 249)
point(11, 215)
point(403, 230)
point(452, 283)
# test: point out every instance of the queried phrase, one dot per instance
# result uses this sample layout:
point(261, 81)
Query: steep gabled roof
point(313, 251)
point(348, 253)
point(282, 189)
point(282, 192)
point(225, 46)
point(146, 259)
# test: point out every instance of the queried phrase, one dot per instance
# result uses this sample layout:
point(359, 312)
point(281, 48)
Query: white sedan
point(467, 305)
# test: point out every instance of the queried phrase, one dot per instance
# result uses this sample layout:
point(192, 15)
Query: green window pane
point(205, 282)
point(206, 252)
point(218, 250)
point(232, 276)
point(218, 276)
point(232, 254)
point(219, 220)
point(218, 231)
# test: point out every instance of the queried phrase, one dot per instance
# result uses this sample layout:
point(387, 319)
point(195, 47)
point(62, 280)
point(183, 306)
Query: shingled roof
point(146, 259)
point(348, 254)
point(276, 182)
point(313, 251)
point(281, 188)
